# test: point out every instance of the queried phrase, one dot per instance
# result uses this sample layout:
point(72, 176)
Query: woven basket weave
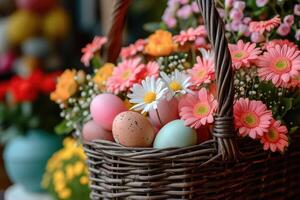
point(222, 168)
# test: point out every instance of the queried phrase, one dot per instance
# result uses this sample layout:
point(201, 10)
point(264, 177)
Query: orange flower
point(66, 86)
point(103, 74)
point(160, 44)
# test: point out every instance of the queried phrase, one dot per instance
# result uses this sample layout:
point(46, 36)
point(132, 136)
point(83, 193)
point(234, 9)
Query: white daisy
point(177, 82)
point(147, 95)
point(207, 54)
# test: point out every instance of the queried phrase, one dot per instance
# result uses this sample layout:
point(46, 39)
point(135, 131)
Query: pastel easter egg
point(92, 131)
point(167, 110)
point(131, 129)
point(104, 108)
point(175, 134)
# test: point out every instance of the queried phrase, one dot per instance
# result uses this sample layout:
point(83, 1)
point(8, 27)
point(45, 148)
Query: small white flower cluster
point(170, 63)
point(151, 91)
point(77, 109)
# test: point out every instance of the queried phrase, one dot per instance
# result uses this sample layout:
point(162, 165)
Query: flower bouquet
point(172, 99)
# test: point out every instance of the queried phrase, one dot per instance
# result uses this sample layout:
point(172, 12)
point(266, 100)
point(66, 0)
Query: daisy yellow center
point(202, 109)
point(281, 65)
point(201, 73)
point(149, 97)
point(272, 135)
point(250, 120)
point(240, 55)
point(175, 86)
point(126, 74)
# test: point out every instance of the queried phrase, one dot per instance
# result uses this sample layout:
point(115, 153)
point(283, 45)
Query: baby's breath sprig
point(168, 64)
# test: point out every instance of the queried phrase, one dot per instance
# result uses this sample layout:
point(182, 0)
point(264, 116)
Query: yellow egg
point(56, 24)
point(22, 25)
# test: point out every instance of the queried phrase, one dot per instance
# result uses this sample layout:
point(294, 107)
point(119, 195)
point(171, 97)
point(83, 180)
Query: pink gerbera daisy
point(125, 75)
point(262, 26)
point(276, 138)
point(243, 54)
point(133, 49)
point(279, 64)
point(198, 111)
point(251, 117)
point(203, 71)
point(89, 50)
point(150, 69)
point(190, 35)
point(281, 43)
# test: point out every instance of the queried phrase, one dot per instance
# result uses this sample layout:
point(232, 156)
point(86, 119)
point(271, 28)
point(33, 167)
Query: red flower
point(23, 90)
point(49, 82)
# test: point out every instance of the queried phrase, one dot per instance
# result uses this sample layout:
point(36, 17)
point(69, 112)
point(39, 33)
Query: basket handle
point(223, 130)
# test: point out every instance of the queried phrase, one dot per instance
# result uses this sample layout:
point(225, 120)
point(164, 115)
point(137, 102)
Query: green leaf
point(62, 128)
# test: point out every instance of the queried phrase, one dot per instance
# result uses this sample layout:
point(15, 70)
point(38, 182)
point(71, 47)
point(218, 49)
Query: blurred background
point(38, 40)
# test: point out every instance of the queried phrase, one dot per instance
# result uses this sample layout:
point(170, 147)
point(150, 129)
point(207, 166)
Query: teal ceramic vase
point(25, 158)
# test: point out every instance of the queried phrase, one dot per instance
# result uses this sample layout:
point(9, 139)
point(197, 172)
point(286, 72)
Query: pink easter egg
point(104, 108)
point(6, 62)
point(39, 6)
point(92, 131)
point(131, 129)
point(167, 110)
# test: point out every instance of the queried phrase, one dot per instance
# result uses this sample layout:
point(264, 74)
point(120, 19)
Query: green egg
point(175, 134)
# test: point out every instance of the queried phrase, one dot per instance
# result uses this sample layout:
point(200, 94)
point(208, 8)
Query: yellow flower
point(58, 175)
point(64, 194)
point(103, 74)
point(84, 180)
point(59, 186)
point(160, 44)
point(66, 86)
point(78, 168)
point(70, 172)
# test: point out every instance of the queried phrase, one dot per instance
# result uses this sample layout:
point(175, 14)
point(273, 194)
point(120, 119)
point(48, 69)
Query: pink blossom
point(235, 25)
point(247, 20)
point(90, 49)
point(236, 15)
point(289, 19)
point(240, 5)
point(200, 42)
point(284, 29)
point(133, 49)
point(195, 7)
point(184, 1)
point(261, 3)
point(185, 12)
point(297, 9)
point(257, 37)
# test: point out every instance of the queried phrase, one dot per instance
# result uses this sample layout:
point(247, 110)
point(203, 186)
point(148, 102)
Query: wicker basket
point(222, 168)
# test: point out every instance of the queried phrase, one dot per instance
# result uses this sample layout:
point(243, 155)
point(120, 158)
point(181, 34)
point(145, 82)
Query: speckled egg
point(132, 129)
point(175, 134)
